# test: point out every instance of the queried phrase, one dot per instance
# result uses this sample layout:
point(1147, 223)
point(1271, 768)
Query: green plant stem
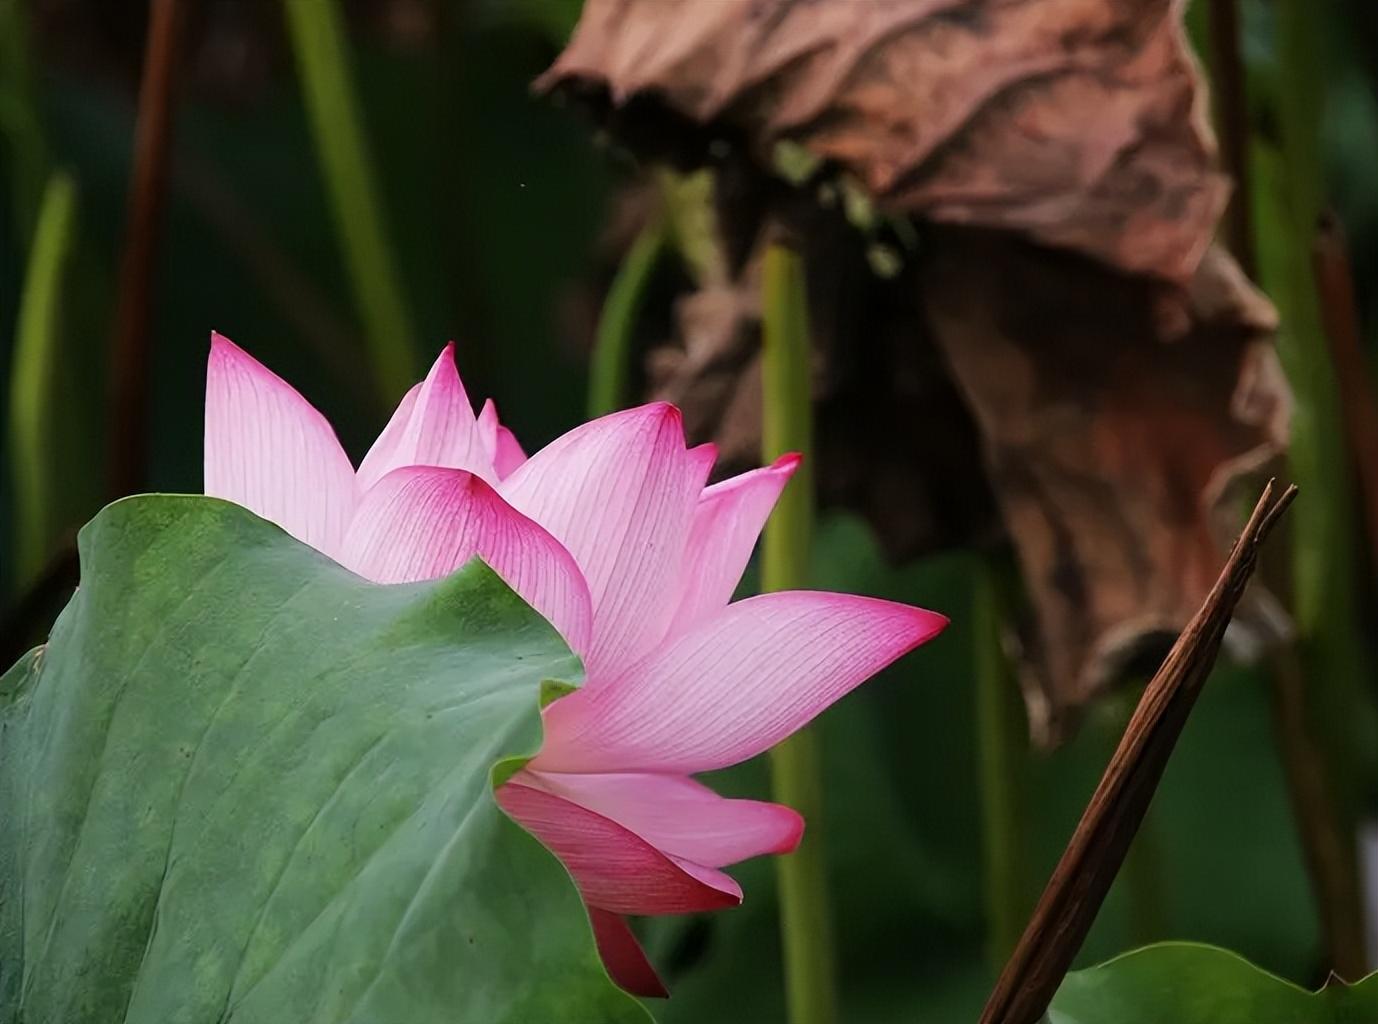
point(797, 777)
point(1002, 740)
point(318, 38)
point(1325, 587)
point(610, 374)
point(34, 401)
point(19, 122)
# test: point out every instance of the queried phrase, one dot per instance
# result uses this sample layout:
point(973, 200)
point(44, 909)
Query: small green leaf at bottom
point(1186, 983)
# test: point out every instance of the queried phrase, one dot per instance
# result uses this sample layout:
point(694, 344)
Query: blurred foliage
point(495, 202)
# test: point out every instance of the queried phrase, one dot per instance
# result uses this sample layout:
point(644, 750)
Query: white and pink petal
point(733, 686)
point(727, 522)
point(423, 522)
point(615, 869)
point(433, 426)
point(679, 815)
point(268, 449)
point(619, 493)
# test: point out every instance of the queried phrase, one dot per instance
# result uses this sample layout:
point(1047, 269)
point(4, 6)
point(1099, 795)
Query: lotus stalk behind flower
point(611, 534)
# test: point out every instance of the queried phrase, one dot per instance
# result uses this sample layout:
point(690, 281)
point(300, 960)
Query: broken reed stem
point(796, 773)
point(1097, 848)
point(131, 347)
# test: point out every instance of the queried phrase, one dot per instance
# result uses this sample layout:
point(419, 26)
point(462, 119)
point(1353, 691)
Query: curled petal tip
point(793, 835)
point(788, 462)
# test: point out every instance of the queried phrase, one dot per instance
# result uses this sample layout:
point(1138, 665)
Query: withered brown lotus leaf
point(1077, 123)
point(1113, 417)
point(1063, 355)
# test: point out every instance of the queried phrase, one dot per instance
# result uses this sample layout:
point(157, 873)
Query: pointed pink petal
point(733, 686)
point(619, 493)
point(268, 449)
point(703, 456)
point(727, 521)
point(434, 426)
point(423, 522)
point(385, 448)
point(507, 453)
point(615, 869)
point(680, 816)
point(623, 956)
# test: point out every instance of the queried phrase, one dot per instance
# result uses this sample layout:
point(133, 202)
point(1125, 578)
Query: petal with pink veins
point(433, 426)
point(619, 493)
point(678, 815)
point(614, 868)
point(268, 449)
point(623, 956)
point(423, 522)
point(733, 686)
point(727, 522)
point(507, 452)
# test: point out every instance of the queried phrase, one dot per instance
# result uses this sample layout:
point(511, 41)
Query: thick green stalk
point(34, 401)
point(19, 122)
point(797, 777)
point(318, 38)
point(1325, 586)
point(1002, 740)
point(612, 352)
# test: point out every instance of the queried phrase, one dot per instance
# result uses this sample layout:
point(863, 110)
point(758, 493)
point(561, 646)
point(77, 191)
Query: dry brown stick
point(1232, 117)
point(1327, 844)
point(1358, 404)
point(1097, 848)
point(128, 430)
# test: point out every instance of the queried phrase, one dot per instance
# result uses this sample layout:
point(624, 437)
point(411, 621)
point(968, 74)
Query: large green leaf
point(241, 784)
point(1186, 983)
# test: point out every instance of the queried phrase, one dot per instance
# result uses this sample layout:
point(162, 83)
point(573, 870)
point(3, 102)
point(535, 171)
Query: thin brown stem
point(1232, 118)
point(1358, 403)
point(1328, 847)
point(1097, 849)
point(128, 430)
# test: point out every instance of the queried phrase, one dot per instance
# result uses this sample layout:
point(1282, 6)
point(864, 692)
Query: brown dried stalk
point(1340, 318)
point(128, 434)
point(1097, 848)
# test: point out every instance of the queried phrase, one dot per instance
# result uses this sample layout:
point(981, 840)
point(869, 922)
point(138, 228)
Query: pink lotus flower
point(610, 533)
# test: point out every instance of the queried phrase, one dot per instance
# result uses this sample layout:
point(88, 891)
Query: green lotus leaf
point(1187, 983)
point(240, 784)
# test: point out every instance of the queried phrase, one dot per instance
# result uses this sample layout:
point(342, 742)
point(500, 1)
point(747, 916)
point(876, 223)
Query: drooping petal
point(727, 521)
point(268, 449)
point(680, 816)
point(619, 493)
point(733, 686)
point(434, 426)
point(507, 452)
point(623, 956)
point(423, 522)
point(614, 868)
